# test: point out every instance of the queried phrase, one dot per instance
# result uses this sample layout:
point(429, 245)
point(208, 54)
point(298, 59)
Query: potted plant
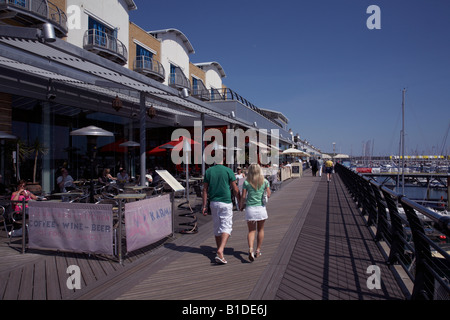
point(36, 148)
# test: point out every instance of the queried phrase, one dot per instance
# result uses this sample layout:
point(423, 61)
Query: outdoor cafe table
point(70, 195)
point(137, 188)
point(130, 196)
point(191, 179)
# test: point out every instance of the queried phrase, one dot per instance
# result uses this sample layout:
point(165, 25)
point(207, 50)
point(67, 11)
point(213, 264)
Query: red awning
point(176, 144)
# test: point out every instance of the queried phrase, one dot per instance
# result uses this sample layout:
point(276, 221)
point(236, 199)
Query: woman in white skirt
point(255, 210)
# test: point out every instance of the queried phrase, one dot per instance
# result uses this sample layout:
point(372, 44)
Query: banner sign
point(75, 227)
point(147, 221)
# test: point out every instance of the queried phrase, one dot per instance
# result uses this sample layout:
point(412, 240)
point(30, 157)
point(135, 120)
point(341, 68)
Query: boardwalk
point(316, 247)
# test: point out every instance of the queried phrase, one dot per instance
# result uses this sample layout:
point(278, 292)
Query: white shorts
point(255, 213)
point(222, 215)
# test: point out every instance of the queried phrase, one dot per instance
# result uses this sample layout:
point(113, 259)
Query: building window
point(195, 86)
point(20, 3)
point(144, 58)
point(100, 33)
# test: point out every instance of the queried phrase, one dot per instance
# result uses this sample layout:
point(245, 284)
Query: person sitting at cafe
point(106, 177)
point(123, 177)
point(17, 197)
point(65, 181)
point(148, 179)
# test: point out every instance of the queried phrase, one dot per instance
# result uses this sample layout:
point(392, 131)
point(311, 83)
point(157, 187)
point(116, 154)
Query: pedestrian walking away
point(329, 169)
point(320, 165)
point(314, 166)
point(255, 188)
point(218, 185)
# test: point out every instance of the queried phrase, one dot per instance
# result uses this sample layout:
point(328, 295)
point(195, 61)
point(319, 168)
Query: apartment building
point(98, 68)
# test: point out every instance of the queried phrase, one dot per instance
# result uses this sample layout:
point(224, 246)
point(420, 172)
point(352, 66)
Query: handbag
point(265, 198)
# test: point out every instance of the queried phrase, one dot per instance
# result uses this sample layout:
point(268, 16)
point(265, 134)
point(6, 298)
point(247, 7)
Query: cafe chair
point(3, 219)
point(16, 217)
point(159, 189)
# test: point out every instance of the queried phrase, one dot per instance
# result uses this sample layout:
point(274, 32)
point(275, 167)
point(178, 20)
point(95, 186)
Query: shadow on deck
point(316, 247)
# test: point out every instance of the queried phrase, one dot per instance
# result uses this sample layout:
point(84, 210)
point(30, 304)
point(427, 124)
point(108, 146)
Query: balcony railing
point(32, 12)
point(150, 67)
point(226, 94)
point(178, 80)
point(199, 91)
point(105, 45)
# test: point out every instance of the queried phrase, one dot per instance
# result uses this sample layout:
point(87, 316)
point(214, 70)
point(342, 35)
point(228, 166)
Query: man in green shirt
point(216, 187)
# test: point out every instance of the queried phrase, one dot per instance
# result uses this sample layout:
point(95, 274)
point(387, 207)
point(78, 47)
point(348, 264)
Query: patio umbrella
point(119, 146)
point(296, 152)
point(341, 156)
point(114, 147)
point(176, 145)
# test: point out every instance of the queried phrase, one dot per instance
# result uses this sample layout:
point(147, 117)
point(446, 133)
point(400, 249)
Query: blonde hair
point(255, 176)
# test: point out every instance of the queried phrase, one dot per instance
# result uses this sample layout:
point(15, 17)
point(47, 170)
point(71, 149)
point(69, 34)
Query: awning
point(296, 152)
point(63, 62)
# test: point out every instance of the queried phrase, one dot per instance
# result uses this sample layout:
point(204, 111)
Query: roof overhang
point(131, 5)
point(179, 34)
point(278, 113)
point(21, 50)
point(213, 63)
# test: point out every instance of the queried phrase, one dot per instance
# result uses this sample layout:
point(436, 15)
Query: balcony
point(150, 68)
point(178, 80)
point(199, 91)
point(105, 45)
point(226, 94)
point(30, 13)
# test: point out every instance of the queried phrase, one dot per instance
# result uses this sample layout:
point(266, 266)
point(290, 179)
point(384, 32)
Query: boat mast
point(403, 141)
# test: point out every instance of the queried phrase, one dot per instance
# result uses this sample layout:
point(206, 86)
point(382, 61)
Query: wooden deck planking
point(236, 280)
point(316, 247)
point(39, 281)
point(335, 231)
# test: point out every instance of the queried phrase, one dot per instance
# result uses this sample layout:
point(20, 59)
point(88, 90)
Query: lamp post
point(92, 133)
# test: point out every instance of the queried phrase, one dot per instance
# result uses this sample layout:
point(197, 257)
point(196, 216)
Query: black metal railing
point(178, 80)
point(416, 236)
point(147, 65)
point(42, 8)
point(96, 40)
point(226, 94)
point(200, 91)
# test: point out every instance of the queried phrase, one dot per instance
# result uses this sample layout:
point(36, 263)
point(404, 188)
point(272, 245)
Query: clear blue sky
point(318, 63)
